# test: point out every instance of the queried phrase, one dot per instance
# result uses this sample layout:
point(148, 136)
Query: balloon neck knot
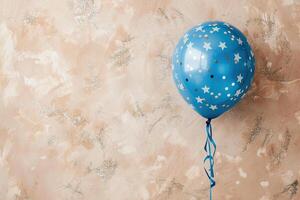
point(208, 121)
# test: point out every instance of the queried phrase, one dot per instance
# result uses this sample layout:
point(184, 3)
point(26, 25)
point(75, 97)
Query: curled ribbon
point(210, 148)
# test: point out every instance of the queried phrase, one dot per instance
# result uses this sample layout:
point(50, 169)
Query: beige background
point(89, 110)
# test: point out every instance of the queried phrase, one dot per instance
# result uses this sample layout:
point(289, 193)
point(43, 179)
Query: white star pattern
point(206, 46)
point(181, 86)
point(205, 89)
point(237, 58)
point(190, 45)
point(237, 93)
point(216, 29)
point(199, 99)
point(185, 40)
point(213, 107)
point(239, 78)
point(203, 40)
point(222, 45)
point(199, 28)
point(240, 41)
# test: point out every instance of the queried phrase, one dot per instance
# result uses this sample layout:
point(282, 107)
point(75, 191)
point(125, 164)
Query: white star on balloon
point(181, 86)
point(199, 28)
point(216, 29)
point(239, 78)
point(199, 99)
point(185, 40)
point(206, 46)
point(205, 89)
point(222, 45)
point(240, 41)
point(213, 107)
point(237, 93)
point(237, 58)
point(190, 45)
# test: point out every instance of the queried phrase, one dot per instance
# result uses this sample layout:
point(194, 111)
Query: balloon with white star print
point(213, 67)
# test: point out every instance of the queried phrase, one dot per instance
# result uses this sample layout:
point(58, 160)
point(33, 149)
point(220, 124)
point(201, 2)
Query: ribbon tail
point(210, 149)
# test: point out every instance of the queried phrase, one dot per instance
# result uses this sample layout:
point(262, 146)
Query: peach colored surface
point(89, 110)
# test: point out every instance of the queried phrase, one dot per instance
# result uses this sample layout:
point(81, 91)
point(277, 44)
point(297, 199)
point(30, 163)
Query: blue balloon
point(213, 67)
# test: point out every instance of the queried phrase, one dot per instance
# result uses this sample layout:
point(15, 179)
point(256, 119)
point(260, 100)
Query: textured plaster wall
point(89, 110)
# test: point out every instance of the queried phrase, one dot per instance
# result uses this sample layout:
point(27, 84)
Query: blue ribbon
point(210, 148)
